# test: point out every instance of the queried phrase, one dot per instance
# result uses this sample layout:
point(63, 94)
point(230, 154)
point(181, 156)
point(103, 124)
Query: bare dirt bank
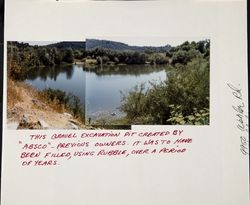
point(26, 109)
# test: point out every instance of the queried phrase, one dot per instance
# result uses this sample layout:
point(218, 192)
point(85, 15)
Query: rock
point(67, 115)
point(72, 126)
point(27, 122)
point(74, 122)
point(25, 119)
point(44, 124)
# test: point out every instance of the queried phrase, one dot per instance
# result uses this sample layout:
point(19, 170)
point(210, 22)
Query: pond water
point(70, 79)
point(99, 89)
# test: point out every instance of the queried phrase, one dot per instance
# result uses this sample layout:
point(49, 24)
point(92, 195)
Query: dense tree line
point(104, 56)
point(22, 57)
point(180, 54)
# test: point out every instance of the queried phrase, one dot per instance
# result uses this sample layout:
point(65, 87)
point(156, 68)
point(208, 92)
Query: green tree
point(68, 56)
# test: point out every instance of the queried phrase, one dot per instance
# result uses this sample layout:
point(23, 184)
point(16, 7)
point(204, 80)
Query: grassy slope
point(25, 100)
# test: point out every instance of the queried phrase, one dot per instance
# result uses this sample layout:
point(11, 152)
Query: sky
point(137, 41)
point(39, 43)
point(150, 41)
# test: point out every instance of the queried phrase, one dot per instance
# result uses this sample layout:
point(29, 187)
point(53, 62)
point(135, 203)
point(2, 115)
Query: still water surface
point(98, 89)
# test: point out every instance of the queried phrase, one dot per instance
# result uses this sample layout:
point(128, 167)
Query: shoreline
point(27, 108)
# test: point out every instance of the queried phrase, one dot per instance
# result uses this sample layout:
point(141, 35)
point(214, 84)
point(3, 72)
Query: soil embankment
point(28, 110)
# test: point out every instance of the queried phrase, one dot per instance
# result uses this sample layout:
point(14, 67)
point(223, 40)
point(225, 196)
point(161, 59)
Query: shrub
point(186, 87)
point(197, 117)
point(67, 100)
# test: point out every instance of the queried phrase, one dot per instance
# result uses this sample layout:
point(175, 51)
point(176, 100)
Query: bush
point(134, 104)
point(197, 117)
point(68, 100)
point(186, 88)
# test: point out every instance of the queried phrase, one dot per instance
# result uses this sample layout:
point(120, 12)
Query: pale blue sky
point(39, 43)
point(136, 41)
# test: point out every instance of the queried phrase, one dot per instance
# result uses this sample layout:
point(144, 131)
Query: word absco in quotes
point(55, 149)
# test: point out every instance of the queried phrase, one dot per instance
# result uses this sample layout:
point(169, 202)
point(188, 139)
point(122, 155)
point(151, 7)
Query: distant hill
point(68, 44)
point(92, 44)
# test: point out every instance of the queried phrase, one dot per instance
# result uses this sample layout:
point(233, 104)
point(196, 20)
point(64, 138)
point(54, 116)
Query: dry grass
point(23, 98)
point(13, 93)
point(54, 105)
point(16, 94)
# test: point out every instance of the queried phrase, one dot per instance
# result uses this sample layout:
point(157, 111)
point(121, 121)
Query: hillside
point(92, 44)
point(68, 44)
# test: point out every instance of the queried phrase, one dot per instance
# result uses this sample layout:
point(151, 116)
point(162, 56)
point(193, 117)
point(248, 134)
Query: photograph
point(133, 82)
point(101, 84)
point(45, 85)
